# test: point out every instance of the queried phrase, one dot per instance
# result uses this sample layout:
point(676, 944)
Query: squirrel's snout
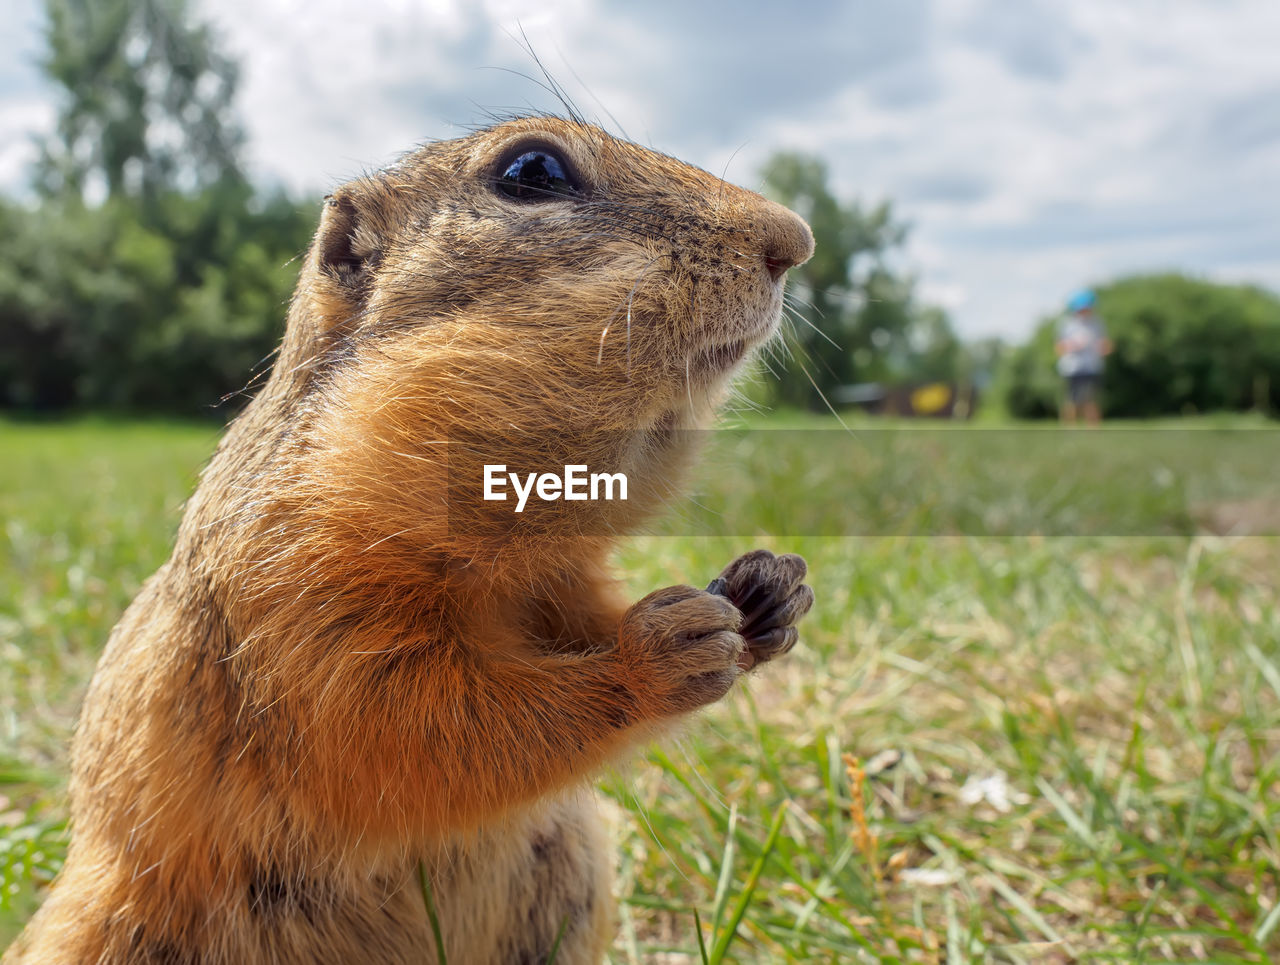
point(789, 241)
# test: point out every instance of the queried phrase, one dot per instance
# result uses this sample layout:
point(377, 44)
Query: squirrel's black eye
point(537, 175)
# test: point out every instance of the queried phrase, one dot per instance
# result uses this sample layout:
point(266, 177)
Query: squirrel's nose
point(788, 241)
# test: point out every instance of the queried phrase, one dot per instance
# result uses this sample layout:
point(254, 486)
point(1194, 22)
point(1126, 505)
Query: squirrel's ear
point(355, 229)
point(352, 236)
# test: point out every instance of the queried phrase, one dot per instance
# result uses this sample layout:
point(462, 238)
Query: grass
point(1025, 747)
point(88, 511)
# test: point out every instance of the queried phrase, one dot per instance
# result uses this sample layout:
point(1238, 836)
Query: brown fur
point(351, 663)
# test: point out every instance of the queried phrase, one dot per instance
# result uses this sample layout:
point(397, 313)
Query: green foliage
point(31, 852)
point(89, 512)
point(168, 310)
point(1028, 381)
point(146, 101)
point(930, 480)
point(854, 318)
point(1181, 345)
point(151, 276)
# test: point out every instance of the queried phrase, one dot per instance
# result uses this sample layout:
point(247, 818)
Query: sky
point(1033, 147)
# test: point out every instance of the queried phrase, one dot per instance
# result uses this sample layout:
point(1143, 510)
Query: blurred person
point(1082, 346)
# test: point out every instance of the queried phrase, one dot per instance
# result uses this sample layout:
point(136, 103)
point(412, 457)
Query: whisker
point(605, 331)
point(823, 396)
point(725, 172)
point(630, 302)
point(622, 130)
point(791, 295)
point(551, 85)
point(832, 342)
point(693, 313)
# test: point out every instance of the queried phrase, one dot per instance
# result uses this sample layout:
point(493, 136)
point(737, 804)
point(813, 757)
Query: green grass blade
point(702, 944)
point(1073, 820)
point(753, 880)
point(1005, 891)
point(1264, 930)
point(726, 872)
point(555, 946)
point(431, 913)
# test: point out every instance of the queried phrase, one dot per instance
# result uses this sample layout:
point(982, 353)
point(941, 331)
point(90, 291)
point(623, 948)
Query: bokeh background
point(1051, 656)
point(968, 164)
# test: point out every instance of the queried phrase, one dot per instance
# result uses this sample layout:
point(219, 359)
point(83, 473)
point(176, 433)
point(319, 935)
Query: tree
point(854, 318)
point(146, 101)
point(100, 310)
point(1181, 345)
point(166, 290)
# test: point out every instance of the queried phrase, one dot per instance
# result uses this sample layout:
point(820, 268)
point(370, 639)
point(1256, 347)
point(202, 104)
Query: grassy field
point(1057, 743)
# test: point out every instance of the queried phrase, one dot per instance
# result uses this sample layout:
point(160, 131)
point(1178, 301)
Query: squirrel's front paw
point(767, 589)
point(683, 646)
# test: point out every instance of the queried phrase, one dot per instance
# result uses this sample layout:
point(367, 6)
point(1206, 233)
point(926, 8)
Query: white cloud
point(1034, 147)
point(26, 104)
point(21, 119)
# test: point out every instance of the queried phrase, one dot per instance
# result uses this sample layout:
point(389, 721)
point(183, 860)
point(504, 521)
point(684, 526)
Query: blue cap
point(1082, 300)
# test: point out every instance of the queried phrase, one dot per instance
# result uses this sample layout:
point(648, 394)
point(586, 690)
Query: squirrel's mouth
point(718, 359)
point(714, 359)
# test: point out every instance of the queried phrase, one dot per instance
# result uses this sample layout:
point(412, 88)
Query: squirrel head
point(538, 288)
point(543, 258)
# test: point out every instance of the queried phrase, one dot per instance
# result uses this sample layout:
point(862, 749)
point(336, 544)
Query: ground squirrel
point(353, 664)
